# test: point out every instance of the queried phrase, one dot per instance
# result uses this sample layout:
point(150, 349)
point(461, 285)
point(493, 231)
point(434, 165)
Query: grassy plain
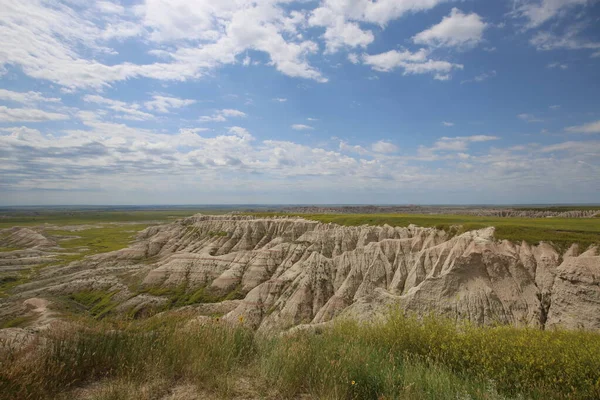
point(562, 232)
point(66, 217)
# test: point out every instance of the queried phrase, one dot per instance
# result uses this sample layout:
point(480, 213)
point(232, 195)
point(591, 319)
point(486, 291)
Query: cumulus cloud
point(123, 160)
point(448, 124)
point(411, 63)
point(28, 115)
point(342, 19)
point(455, 30)
point(55, 42)
point(383, 146)
point(223, 115)
point(591, 127)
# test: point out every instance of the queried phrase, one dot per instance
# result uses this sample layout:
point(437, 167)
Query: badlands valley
point(298, 304)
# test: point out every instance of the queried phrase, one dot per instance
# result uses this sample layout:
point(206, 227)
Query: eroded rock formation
point(290, 272)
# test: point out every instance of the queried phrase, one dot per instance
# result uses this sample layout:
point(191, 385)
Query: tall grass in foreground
point(402, 357)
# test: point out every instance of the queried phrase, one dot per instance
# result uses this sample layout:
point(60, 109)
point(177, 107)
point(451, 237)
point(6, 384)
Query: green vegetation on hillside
point(562, 232)
point(75, 217)
point(399, 358)
point(95, 240)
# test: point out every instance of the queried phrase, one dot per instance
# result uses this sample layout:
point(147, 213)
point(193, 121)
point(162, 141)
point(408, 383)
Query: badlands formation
point(278, 273)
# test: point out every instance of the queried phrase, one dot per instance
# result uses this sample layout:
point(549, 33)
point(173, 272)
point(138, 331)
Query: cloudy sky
point(282, 101)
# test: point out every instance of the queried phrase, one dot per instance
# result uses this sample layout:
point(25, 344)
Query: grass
point(96, 240)
point(81, 217)
point(181, 295)
point(98, 303)
point(400, 358)
point(18, 322)
point(562, 232)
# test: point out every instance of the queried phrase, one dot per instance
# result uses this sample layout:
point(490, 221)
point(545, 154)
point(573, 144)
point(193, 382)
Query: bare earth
point(294, 273)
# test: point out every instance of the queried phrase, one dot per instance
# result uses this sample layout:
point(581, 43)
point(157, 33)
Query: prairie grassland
point(62, 217)
point(400, 358)
point(562, 232)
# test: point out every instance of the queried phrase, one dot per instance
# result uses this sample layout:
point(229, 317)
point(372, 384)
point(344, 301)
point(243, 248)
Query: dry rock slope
point(290, 272)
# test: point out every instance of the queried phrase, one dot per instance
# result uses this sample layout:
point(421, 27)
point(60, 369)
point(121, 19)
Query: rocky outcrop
point(24, 238)
point(576, 292)
point(291, 271)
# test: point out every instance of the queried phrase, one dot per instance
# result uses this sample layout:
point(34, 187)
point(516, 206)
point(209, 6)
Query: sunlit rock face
point(291, 271)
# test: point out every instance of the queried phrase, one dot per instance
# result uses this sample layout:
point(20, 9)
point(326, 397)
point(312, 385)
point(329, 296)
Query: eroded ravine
point(277, 273)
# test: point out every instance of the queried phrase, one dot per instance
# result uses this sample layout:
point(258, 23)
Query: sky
point(298, 102)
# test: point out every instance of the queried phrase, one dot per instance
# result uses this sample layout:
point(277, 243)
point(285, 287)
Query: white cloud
point(179, 166)
point(570, 40)
point(165, 104)
point(109, 7)
point(302, 127)
point(529, 118)
point(59, 43)
point(537, 12)
point(26, 97)
point(455, 30)
point(312, 119)
point(411, 63)
point(554, 107)
point(383, 146)
point(453, 144)
point(341, 19)
point(28, 115)
point(193, 130)
point(223, 115)
point(445, 123)
point(353, 58)
point(280, 99)
point(591, 127)
point(233, 113)
point(129, 111)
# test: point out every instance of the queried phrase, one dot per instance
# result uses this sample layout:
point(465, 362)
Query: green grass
point(400, 358)
point(181, 295)
point(98, 303)
point(96, 240)
point(562, 232)
point(75, 217)
point(18, 322)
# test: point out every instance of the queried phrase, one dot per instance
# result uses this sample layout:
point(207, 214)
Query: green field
point(64, 217)
point(562, 232)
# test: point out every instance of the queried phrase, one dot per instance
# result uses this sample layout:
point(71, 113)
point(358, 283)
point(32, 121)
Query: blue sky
point(281, 101)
